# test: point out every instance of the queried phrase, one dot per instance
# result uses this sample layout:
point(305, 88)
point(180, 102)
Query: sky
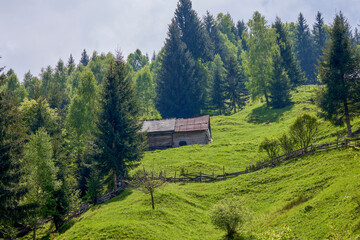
point(37, 33)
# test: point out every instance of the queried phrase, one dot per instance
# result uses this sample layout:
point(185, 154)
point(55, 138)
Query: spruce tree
point(178, 94)
point(241, 27)
point(320, 37)
point(339, 73)
point(279, 85)
point(84, 59)
point(119, 140)
point(217, 93)
point(71, 61)
point(214, 34)
point(288, 59)
point(11, 141)
point(235, 89)
point(304, 48)
point(193, 33)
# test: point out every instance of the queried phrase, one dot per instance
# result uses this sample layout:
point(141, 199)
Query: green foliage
point(217, 94)
point(94, 185)
point(84, 58)
point(270, 146)
point(304, 129)
point(119, 140)
point(338, 71)
point(286, 143)
point(229, 215)
point(258, 64)
point(137, 60)
point(146, 183)
point(11, 141)
point(284, 234)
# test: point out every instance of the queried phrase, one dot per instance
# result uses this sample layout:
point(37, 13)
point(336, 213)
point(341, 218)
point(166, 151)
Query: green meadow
point(312, 197)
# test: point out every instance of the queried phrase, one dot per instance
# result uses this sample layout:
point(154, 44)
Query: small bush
point(270, 146)
point(228, 215)
point(286, 143)
point(304, 129)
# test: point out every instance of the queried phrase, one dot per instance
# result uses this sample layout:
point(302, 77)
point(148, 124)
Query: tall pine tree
point(119, 140)
point(178, 92)
point(84, 58)
point(339, 73)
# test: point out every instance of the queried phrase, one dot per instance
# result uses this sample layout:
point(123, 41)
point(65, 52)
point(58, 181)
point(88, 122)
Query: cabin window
point(182, 143)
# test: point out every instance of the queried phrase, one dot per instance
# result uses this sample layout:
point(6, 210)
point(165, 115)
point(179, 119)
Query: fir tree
point(241, 27)
point(214, 34)
point(11, 172)
point(279, 85)
point(192, 31)
point(84, 59)
point(71, 61)
point(288, 60)
point(218, 98)
point(178, 94)
point(304, 49)
point(119, 141)
point(235, 89)
point(320, 37)
point(339, 73)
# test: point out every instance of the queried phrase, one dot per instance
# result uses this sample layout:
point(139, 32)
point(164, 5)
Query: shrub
point(286, 143)
point(228, 215)
point(270, 146)
point(304, 129)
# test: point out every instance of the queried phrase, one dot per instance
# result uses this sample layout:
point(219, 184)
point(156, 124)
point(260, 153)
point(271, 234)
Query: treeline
point(74, 131)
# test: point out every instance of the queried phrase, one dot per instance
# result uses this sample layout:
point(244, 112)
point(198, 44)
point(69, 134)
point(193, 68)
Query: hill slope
point(314, 195)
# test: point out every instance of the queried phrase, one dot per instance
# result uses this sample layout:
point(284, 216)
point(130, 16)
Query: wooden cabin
point(167, 133)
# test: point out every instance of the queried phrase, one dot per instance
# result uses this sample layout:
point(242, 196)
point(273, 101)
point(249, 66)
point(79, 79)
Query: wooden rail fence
point(203, 177)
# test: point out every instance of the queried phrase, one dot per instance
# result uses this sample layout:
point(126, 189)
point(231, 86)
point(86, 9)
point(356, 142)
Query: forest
point(73, 132)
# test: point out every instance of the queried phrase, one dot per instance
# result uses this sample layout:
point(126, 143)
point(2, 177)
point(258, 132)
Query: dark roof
point(177, 125)
point(192, 124)
point(164, 125)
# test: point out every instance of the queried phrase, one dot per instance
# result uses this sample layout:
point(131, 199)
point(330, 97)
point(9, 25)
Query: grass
point(315, 195)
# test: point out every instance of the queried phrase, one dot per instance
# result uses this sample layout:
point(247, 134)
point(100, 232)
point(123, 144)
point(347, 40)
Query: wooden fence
point(203, 177)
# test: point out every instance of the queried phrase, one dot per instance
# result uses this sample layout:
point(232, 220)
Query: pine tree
point(288, 60)
point(214, 34)
point(71, 61)
point(304, 48)
point(320, 37)
point(241, 27)
point(279, 85)
point(11, 171)
point(235, 89)
point(84, 59)
point(339, 73)
point(119, 141)
point(57, 96)
point(217, 94)
point(192, 31)
point(178, 94)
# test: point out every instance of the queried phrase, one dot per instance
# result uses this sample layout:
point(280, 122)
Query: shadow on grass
point(122, 196)
point(239, 236)
point(265, 114)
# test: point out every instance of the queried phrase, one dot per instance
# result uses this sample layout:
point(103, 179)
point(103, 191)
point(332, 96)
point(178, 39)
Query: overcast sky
point(37, 33)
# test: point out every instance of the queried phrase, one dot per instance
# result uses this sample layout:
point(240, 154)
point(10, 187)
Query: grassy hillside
point(315, 196)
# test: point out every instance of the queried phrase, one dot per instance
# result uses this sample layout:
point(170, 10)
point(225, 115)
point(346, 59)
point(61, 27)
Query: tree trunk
point(34, 233)
point(267, 99)
point(115, 180)
point(347, 118)
point(152, 200)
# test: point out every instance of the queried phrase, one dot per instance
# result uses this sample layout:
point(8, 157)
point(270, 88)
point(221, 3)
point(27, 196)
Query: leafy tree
point(57, 96)
point(145, 92)
point(235, 89)
point(226, 26)
point(146, 184)
point(339, 73)
point(304, 48)
point(34, 88)
point(11, 171)
point(270, 146)
point(304, 129)
point(14, 87)
point(46, 77)
point(119, 140)
point(81, 123)
point(288, 59)
point(99, 65)
point(286, 143)
point(229, 215)
point(137, 60)
point(218, 98)
point(279, 87)
point(192, 31)
point(84, 59)
point(261, 41)
point(41, 179)
point(178, 92)
point(27, 79)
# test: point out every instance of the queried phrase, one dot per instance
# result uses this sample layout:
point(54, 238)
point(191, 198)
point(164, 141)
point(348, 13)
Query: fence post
point(165, 175)
point(175, 176)
point(200, 177)
point(224, 172)
point(213, 176)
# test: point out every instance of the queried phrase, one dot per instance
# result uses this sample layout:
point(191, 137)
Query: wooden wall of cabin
point(190, 138)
